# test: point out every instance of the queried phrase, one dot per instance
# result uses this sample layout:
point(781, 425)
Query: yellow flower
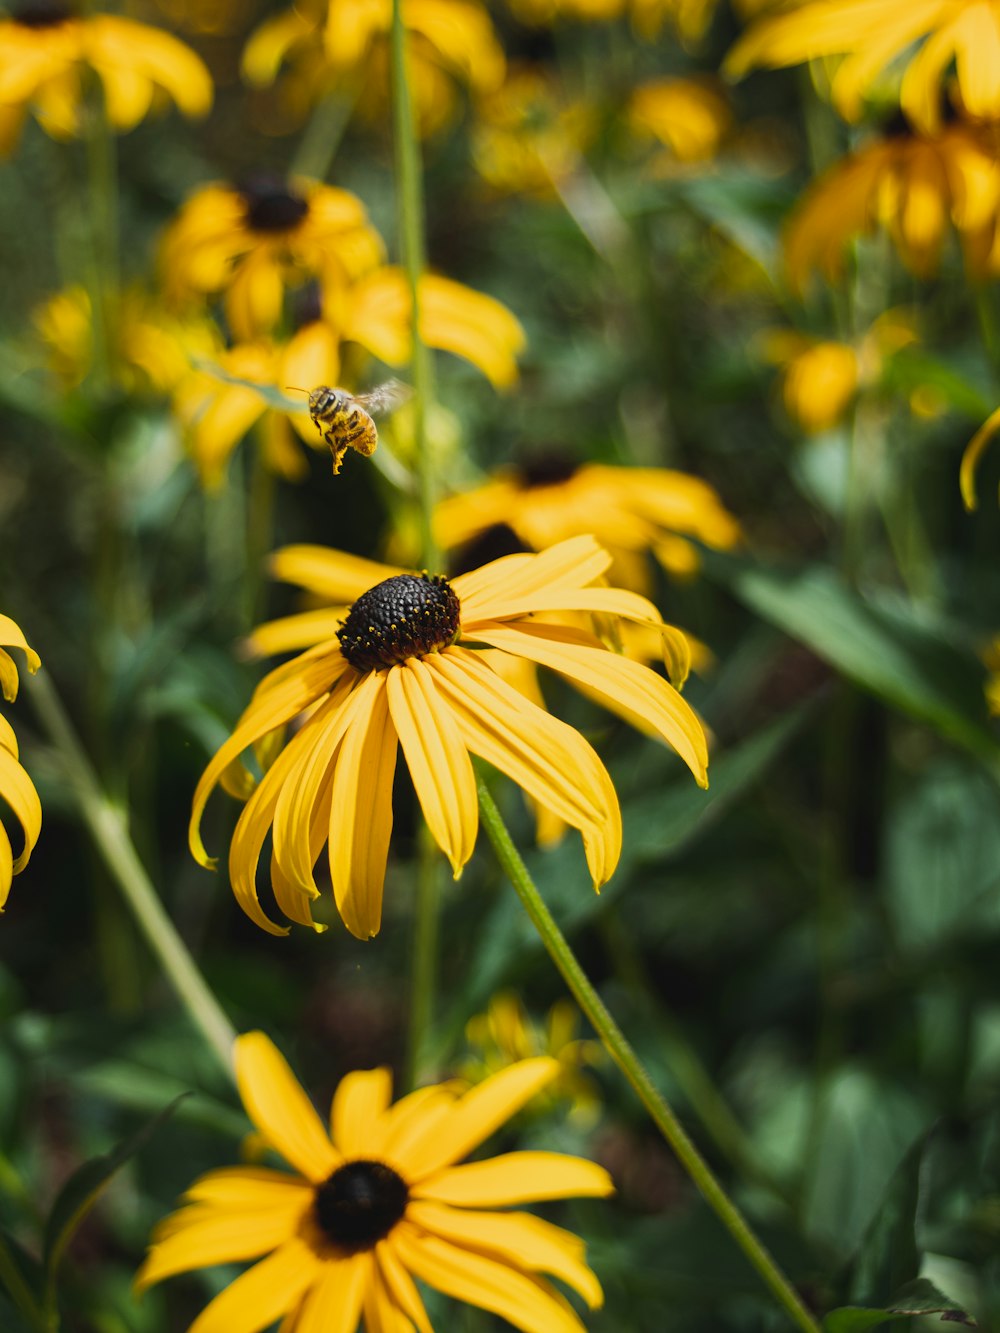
point(505, 1033)
point(16, 787)
point(446, 40)
point(870, 34)
point(527, 137)
point(377, 1201)
point(913, 185)
point(819, 378)
point(253, 242)
point(152, 348)
point(215, 413)
point(688, 116)
point(45, 51)
point(630, 510)
point(407, 668)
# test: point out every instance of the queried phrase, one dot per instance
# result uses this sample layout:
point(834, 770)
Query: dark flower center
point(360, 1203)
point(547, 470)
point(41, 14)
point(409, 615)
point(271, 205)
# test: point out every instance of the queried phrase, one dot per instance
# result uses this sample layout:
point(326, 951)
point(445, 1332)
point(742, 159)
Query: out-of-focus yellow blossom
point(820, 378)
point(631, 511)
point(376, 313)
point(912, 185)
point(153, 350)
point(973, 453)
point(690, 117)
point(216, 414)
point(870, 34)
point(447, 40)
point(16, 788)
point(46, 49)
point(505, 1034)
point(527, 138)
point(254, 242)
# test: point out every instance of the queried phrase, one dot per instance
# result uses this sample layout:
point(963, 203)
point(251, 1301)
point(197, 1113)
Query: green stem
point(423, 980)
point(413, 246)
point(19, 1291)
point(324, 132)
point(629, 1063)
point(108, 828)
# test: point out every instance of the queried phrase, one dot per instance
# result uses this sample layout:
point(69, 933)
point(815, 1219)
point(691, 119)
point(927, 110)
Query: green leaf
point(913, 665)
point(76, 1198)
point(920, 1297)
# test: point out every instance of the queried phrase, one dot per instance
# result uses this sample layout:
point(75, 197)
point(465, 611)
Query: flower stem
point(324, 132)
point(409, 183)
point(102, 184)
point(18, 1290)
point(107, 826)
point(629, 1063)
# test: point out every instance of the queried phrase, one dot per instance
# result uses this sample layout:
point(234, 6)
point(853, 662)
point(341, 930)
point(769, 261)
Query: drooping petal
point(12, 637)
point(361, 1100)
point(303, 681)
point(517, 1177)
point(633, 690)
point(518, 1239)
point(264, 1293)
point(549, 759)
point(474, 1116)
point(400, 1286)
point(437, 758)
point(18, 791)
point(361, 812)
point(276, 1104)
point(528, 1302)
point(334, 1303)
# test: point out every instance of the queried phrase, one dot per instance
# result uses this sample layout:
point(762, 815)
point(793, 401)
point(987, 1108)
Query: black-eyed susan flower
point(407, 668)
point(46, 49)
point(689, 117)
point(912, 185)
point(506, 1033)
point(632, 511)
point(447, 41)
point(871, 34)
point(377, 1200)
point(251, 243)
point(16, 787)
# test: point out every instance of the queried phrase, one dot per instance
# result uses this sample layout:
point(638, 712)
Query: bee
point(345, 420)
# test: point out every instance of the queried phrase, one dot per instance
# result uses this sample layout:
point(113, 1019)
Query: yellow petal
point(113, 42)
point(8, 741)
point(270, 43)
point(361, 1099)
point(973, 452)
point(334, 1304)
point(282, 1112)
point(331, 574)
point(11, 637)
point(293, 633)
point(262, 1294)
point(476, 1115)
point(128, 95)
point(977, 59)
point(519, 1239)
point(610, 601)
point(297, 684)
point(410, 1119)
point(527, 1302)
point(6, 867)
point(400, 1287)
point(199, 1236)
point(550, 760)
point(517, 1177)
point(361, 812)
point(572, 563)
point(247, 1187)
point(438, 761)
point(18, 791)
point(631, 689)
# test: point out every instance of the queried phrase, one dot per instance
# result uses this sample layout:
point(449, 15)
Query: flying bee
point(345, 420)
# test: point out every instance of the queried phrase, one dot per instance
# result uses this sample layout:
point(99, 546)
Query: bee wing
point(386, 398)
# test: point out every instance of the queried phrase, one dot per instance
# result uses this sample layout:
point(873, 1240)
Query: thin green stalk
point(324, 132)
point(108, 827)
point(631, 1066)
point(102, 185)
point(19, 1291)
point(409, 183)
point(413, 246)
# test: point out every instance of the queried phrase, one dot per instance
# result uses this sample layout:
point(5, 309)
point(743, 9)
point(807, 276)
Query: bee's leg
point(338, 449)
